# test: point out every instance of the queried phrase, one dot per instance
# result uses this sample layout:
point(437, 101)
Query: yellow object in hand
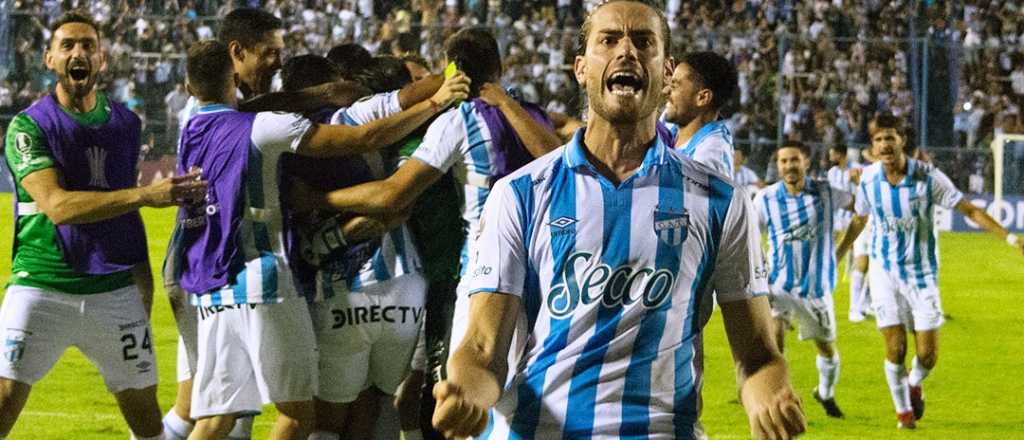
point(450, 70)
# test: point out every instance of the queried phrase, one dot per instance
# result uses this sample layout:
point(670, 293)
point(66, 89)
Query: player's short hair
point(884, 121)
point(407, 42)
point(416, 59)
point(839, 148)
point(804, 149)
point(207, 67)
point(475, 51)
point(584, 35)
point(384, 74)
point(74, 16)
point(349, 58)
point(247, 26)
point(307, 70)
point(714, 72)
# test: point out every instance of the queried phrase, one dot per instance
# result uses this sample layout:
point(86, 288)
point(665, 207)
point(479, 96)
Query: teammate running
point(701, 84)
point(798, 214)
point(256, 342)
point(843, 176)
point(900, 194)
point(79, 237)
point(610, 248)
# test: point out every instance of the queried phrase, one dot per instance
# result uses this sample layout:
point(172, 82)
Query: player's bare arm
point(343, 140)
point(773, 409)
point(419, 91)
point(565, 125)
point(857, 225)
point(75, 207)
point(478, 367)
point(538, 139)
point(336, 94)
point(367, 227)
point(979, 216)
point(395, 194)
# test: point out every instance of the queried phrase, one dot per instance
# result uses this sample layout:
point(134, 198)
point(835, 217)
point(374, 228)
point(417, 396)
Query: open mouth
point(625, 83)
point(78, 72)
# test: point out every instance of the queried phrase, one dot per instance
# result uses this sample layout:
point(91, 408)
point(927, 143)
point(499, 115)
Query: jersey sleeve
point(717, 155)
point(740, 271)
point(368, 109)
point(501, 267)
point(442, 144)
point(26, 149)
point(761, 209)
point(274, 133)
point(861, 206)
point(944, 193)
point(840, 199)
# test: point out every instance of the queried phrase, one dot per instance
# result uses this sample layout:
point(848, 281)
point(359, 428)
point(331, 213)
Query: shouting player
point(799, 215)
point(900, 194)
point(610, 247)
point(79, 237)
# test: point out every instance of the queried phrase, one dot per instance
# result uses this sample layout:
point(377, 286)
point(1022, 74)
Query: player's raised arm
point(339, 140)
point(538, 138)
point(979, 216)
point(335, 94)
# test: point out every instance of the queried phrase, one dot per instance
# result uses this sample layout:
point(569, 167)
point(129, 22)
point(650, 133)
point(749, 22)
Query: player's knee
point(826, 349)
point(928, 358)
point(296, 413)
point(13, 395)
point(216, 427)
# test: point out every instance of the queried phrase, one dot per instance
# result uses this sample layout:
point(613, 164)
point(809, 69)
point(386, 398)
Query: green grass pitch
point(974, 393)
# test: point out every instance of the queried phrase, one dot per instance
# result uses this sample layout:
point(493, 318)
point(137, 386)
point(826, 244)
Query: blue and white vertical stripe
point(606, 356)
point(800, 238)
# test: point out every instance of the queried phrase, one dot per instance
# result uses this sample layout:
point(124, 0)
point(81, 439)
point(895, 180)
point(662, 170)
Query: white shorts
point(367, 338)
point(817, 316)
point(251, 355)
point(899, 303)
point(862, 245)
point(110, 328)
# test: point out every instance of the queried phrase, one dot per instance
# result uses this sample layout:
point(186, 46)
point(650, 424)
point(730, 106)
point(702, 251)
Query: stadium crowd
point(840, 61)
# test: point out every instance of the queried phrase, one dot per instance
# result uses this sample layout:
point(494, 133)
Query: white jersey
point(616, 284)
point(460, 138)
point(904, 238)
point(800, 237)
point(266, 277)
point(746, 178)
point(712, 146)
point(839, 178)
point(397, 253)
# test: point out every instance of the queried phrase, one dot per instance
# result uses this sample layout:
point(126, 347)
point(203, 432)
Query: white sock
point(918, 373)
point(159, 436)
point(324, 435)
point(896, 375)
point(242, 429)
point(828, 375)
point(857, 291)
point(176, 428)
point(414, 434)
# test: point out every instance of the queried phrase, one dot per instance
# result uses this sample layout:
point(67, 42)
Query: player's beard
point(77, 84)
point(625, 110)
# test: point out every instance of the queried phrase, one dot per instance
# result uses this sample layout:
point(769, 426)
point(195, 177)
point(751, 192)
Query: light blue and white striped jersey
point(839, 178)
point(397, 253)
point(801, 242)
point(712, 145)
point(616, 284)
point(904, 238)
point(746, 178)
point(266, 278)
point(460, 138)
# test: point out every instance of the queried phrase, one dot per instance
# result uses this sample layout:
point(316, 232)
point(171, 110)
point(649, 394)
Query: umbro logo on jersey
point(562, 222)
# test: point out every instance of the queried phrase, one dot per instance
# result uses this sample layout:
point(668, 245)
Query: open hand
point(187, 188)
point(493, 94)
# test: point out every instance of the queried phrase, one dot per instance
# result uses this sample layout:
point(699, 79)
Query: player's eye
point(609, 40)
point(643, 43)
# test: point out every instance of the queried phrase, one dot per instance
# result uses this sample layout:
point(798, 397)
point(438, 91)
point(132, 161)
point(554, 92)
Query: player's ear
point(704, 97)
point(236, 50)
point(579, 68)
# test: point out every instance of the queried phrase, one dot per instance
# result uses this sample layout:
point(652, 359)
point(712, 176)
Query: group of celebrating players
point(314, 223)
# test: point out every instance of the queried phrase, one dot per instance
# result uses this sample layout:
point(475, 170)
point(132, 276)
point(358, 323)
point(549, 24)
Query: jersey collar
point(702, 133)
point(214, 108)
point(576, 158)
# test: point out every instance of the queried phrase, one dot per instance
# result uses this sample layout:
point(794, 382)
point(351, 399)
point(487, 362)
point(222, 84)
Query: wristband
point(1012, 239)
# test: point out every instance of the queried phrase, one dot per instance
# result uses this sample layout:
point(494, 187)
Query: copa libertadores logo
point(619, 286)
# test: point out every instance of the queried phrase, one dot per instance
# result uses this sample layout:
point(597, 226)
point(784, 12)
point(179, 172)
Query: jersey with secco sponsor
point(616, 282)
point(903, 234)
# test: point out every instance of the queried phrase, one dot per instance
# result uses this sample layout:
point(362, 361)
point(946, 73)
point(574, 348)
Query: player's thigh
point(926, 307)
point(38, 326)
point(282, 346)
point(118, 339)
point(887, 298)
point(345, 335)
point(225, 381)
point(817, 319)
point(402, 310)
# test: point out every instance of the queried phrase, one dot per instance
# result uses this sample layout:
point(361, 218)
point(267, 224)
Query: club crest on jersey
point(14, 349)
point(671, 227)
point(612, 287)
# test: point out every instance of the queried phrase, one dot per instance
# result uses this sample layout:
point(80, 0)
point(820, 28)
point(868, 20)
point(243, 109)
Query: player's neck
point(229, 98)
point(795, 188)
point(895, 171)
point(617, 150)
point(687, 131)
point(77, 104)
